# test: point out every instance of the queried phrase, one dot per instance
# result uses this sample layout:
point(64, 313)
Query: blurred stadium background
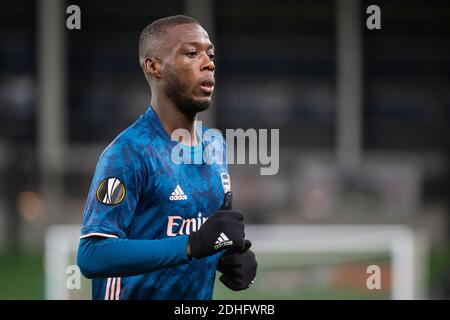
point(364, 135)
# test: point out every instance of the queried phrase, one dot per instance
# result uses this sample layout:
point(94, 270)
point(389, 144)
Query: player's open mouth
point(207, 86)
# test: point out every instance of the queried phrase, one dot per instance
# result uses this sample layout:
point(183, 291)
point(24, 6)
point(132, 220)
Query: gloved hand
point(223, 230)
point(238, 268)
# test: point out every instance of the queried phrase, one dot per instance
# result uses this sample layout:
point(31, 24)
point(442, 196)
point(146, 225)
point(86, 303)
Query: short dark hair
point(152, 33)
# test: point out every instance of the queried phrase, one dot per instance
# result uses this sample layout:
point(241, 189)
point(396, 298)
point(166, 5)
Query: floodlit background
point(364, 137)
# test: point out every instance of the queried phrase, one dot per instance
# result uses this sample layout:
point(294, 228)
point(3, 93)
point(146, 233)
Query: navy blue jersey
point(139, 192)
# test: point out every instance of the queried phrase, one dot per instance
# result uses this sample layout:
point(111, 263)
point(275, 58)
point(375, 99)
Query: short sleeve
point(116, 187)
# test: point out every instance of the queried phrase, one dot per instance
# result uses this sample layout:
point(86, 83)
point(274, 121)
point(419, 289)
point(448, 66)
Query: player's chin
point(203, 103)
point(204, 106)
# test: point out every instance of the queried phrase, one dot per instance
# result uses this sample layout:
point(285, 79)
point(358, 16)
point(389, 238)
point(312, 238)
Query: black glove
point(238, 268)
point(223, 230)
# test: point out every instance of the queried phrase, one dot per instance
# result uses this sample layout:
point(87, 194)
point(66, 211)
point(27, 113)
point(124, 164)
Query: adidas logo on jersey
point(222, 240)
point(178, 194)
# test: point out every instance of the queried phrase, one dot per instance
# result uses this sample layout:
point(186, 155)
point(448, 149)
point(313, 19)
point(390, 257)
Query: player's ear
point(152, 67)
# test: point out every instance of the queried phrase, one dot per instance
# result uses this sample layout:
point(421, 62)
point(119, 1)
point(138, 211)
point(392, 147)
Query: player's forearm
point(113, 257)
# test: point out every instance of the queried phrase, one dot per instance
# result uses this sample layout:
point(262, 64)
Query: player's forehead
point(188, 34)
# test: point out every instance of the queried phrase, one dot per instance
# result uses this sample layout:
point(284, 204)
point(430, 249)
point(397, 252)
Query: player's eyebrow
point(199, 44)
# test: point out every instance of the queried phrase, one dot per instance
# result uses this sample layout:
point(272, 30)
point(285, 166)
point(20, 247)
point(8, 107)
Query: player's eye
point(191, 54)
point(211, 56)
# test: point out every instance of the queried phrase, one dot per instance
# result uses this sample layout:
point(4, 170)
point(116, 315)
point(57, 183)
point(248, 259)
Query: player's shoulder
point(130, 142)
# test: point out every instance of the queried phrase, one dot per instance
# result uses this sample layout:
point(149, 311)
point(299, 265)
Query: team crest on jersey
point(111, 191)
point(226, 183)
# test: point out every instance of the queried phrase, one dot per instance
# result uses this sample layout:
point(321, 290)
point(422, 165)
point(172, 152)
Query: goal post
point(294, 262)
point(407, 249)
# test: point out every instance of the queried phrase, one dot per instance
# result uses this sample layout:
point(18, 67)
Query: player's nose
point(208, 65)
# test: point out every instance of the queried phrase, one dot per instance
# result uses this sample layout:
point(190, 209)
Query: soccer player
point(154, 228)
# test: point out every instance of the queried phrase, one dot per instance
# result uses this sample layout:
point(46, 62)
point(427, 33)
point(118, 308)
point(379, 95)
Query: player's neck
point(172, 119)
